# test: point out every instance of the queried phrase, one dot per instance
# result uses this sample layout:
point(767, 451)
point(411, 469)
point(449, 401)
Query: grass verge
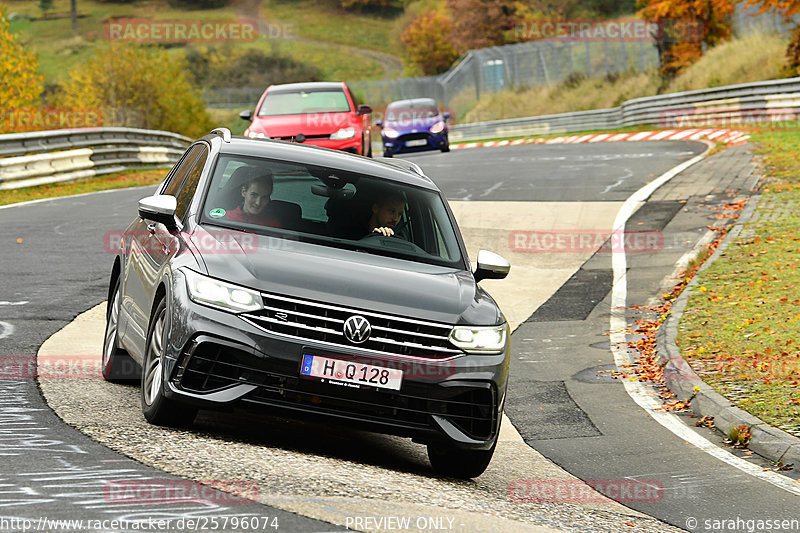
point(741, 329)
point(131, 178)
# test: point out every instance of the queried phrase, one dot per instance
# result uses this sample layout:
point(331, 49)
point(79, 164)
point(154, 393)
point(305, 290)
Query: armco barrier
point(36, 158)
point(41, 157)
point(766, 101)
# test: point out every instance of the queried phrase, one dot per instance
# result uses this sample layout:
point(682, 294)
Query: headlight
point(392, 134)
point(215, 293)
point(480, 339)
point(343, 133)
point(257, 135)
point(437, 128)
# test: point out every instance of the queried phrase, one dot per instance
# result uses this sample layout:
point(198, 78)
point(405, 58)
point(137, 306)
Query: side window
point(190, 184)
point(181, 170)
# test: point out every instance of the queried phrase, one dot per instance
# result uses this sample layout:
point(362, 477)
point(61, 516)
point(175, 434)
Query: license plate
point(316, 366)
point(416, 142)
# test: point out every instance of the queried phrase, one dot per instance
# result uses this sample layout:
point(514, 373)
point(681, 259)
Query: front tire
point(450, 461)
point(117, 365)
point(157, 408)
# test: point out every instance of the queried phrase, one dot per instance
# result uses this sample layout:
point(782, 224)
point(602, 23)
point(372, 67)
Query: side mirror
point(379, 123)
point(159, 208)
point(446, 115)
point(491, 266)
point(246, 115)
point(363, 110)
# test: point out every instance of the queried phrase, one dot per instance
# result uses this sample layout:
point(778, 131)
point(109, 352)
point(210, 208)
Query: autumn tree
point(786, 9)
point(20, 82)
point(428, 43)
point(479, 23)
point(137, 87)
point(685, 26)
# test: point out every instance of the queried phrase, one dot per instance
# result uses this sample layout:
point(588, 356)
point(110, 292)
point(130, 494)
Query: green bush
point(137, 87)
point(228, 66)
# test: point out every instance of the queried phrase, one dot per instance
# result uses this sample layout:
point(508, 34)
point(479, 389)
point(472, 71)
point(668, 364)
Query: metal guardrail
point(765, 101)
point(36, 158)
point(42, 157)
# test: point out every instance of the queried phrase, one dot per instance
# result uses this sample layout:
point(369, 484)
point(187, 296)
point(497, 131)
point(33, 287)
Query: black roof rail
point(225, 132)
point(405, 164)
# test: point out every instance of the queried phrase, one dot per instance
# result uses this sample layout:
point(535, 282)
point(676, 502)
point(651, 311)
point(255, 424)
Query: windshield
point(332, 208)
point(302, 102)
point(411, 112)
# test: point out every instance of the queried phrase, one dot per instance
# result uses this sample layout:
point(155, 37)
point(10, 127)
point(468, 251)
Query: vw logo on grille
point(357, 329)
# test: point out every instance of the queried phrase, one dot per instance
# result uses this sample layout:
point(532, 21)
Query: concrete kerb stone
point(767, 441)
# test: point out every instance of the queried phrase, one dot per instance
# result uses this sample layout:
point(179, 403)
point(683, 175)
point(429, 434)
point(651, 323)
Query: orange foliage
point(785, 8)
point(686, 25)
point(20, 82)
point(428, 43)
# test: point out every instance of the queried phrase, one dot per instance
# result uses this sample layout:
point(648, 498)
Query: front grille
point(211, 367)
point(308, 137)
point(310, 321)
point(413, 136)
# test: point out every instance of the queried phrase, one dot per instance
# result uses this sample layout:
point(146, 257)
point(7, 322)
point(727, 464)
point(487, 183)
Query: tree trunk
point(74, 13)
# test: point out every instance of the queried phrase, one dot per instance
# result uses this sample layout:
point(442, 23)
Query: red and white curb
point(717, 135)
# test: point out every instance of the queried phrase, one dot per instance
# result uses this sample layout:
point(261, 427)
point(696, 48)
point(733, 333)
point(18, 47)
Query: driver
point(386, 213)
point(255, 199)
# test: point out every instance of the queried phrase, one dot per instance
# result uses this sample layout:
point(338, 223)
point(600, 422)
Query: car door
point(149, 245)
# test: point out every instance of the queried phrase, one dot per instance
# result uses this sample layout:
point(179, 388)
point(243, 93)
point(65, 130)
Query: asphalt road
point(589, 427)
point(580, 418)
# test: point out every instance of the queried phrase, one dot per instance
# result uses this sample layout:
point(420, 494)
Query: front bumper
point(413, 143)
point(347, 145)
point(217, 359)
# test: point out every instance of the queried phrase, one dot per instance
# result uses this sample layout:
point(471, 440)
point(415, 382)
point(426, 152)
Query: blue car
point(414, 125)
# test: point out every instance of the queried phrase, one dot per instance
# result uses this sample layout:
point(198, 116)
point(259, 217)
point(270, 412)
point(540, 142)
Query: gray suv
point(261, 274)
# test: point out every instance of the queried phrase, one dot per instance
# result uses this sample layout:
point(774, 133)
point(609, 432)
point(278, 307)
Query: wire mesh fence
point(526, 64)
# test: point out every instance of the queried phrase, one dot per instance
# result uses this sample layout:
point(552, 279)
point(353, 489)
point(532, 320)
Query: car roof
point(305, 86)
point(324, 157)
point(414, 101)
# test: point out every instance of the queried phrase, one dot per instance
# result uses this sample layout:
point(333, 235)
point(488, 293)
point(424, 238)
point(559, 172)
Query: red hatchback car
point(320, 113)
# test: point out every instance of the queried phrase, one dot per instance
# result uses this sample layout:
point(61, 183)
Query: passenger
point(255, 202)
point(386, 213)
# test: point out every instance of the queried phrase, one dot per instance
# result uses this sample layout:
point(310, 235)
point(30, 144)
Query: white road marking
point(643, 394)
point(628, 174)
point(6, 330)
point(491, 189)
point(23, 302)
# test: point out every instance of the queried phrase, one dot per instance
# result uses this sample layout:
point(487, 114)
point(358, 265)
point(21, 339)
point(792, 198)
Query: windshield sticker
point(217, 213)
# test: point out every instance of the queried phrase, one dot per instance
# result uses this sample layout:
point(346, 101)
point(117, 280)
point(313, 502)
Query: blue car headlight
point(437, 128)
point(390, 133)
